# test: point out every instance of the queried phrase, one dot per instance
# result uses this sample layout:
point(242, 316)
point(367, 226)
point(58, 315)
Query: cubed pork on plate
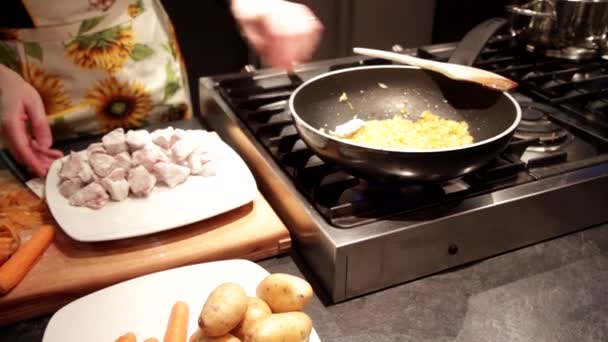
point(137, 139)
point(183, 147)
point(95, 148)
point(123, 160)
point(171, 174)
point(148, 156)
point(102, 164)
point(93, 196)
point(86, 174)
point(178, 134)
point(115, 142)
point(118, 189)
point(162, 137)
point(70, 186)
point(71, 166)
point(141, 181)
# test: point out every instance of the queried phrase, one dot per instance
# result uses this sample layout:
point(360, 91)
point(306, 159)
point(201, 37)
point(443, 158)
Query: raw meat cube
point(117, 174)
point(71, 166)
point(162, 137)
point(115, 142)
point(93, 196)
point(118, 189)
point(123, 160)
point(137, 139)
point(95, 148)
point(208, 156)
point(141, 181)
point(183, 148)
point(148, 156)
point(178, 134)
point(102, 164)
point(198, 159)
point(70, 186)
point(209, 169)
point(167, 152)
point(86, 174)
point(171, 174)
point(194, 161)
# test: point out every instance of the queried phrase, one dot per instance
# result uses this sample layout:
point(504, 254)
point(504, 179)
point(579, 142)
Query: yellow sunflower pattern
point(135, 9)
point(49, 87)
point(108, 49)
point(119, 104)
point(107, 71)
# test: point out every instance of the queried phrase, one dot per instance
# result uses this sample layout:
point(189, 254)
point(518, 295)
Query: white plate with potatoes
point(230, 301)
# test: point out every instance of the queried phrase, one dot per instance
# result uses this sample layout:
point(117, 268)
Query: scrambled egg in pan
point(428, 132)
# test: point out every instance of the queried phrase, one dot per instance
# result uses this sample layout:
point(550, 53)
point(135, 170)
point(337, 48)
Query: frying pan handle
point(474, 41)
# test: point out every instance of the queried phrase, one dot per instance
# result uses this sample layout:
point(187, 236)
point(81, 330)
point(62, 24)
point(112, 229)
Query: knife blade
point(13, 167)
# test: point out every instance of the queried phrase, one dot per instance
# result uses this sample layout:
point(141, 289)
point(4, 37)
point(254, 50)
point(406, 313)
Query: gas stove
point(360, 237)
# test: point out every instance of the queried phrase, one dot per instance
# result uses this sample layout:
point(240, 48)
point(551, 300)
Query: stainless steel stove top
point(360, 237)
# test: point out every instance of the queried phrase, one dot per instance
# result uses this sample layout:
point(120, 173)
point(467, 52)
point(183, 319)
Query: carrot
point(128, 337)
point(9, 242)
point(151, 339)
point(15, 269)
point(177, 328)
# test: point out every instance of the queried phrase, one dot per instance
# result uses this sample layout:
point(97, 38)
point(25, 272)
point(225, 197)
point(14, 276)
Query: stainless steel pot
point(572, 29)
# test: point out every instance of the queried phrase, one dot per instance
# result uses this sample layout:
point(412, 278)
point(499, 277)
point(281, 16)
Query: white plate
point(143, 305)
point(196, 199)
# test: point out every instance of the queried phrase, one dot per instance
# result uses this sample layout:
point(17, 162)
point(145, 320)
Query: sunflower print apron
point(100, 64)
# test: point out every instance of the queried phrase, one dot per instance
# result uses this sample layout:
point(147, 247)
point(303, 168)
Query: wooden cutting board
point(71, 269)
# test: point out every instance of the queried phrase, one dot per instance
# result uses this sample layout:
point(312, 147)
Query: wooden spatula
point(453, 71)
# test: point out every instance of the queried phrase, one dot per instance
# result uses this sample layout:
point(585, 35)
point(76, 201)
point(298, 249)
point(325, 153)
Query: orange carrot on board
point(151, 339)
point(15, 269)
point(177, 328)
point(128, 337)
point(9, 242)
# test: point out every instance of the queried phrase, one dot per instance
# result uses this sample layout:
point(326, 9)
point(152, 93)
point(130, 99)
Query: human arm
point(283, 33)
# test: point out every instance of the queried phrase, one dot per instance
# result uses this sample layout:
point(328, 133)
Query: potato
point(223, 310)
point(284, 292)
point(256, 309)
point(281, 327)
point(199, 336)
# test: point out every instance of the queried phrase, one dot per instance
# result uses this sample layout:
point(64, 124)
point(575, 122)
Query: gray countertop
point(552, 291)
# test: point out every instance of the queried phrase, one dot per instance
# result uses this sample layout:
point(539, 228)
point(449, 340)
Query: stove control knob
point(453, 249)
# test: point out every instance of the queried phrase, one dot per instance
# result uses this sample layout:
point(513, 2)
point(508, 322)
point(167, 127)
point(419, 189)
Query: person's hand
point(283, 33)
point(23, 123)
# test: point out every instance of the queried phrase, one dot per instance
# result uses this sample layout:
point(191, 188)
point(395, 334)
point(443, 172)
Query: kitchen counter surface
point(552, 291)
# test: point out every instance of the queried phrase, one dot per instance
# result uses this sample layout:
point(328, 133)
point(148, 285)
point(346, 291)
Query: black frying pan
point(492, 118)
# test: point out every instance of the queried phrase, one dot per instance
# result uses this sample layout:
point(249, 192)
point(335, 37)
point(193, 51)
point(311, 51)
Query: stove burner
point(536, 124)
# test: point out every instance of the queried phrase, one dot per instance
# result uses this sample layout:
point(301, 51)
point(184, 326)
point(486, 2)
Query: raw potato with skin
point(223, 310)
point(284, 292)
point(256, 310)
point(281, 327)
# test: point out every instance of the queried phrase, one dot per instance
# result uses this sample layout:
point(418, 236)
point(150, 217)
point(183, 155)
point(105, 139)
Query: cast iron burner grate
point(342, 199)
point(578, 87)
point(541, 141)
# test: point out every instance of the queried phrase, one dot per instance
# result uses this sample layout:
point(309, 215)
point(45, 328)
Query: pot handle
point(523, 10)
point(475, 40)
